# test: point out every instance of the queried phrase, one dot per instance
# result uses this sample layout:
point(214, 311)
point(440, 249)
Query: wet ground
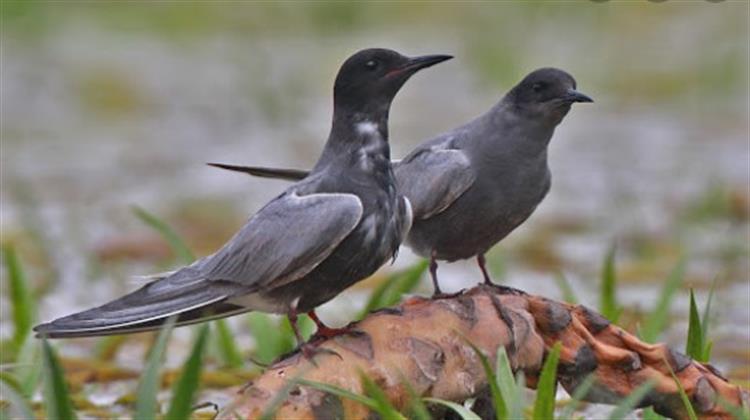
point(100, 113)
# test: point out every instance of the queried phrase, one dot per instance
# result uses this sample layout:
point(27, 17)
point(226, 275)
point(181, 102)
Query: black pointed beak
point(576, 96)
point(414, 64)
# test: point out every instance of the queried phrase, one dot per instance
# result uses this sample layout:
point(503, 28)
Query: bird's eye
point(371, 65)
point(537, 87)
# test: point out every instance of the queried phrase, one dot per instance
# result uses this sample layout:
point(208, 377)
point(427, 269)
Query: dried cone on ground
point(424, 342)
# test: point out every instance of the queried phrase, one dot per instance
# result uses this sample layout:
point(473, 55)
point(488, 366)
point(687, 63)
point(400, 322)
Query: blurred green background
point(113, 104)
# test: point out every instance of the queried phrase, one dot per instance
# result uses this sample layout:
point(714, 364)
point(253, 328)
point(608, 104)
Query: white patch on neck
point(367, 128)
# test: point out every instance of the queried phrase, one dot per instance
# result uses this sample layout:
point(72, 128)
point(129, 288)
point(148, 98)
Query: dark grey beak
point(414, 64)
point(576, 96)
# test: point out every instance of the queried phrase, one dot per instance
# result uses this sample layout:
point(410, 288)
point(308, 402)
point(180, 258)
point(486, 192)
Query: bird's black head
point(546, 94)
point(369, 79)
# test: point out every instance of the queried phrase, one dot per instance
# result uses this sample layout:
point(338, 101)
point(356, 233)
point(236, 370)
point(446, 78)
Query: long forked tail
point(259, 171)
point(148, 308)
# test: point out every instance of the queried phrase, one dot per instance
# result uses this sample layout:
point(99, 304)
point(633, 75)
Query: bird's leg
point(323, 330)
point(483, 266)
point(308, 348)
point(488, 282)
point(433, 275)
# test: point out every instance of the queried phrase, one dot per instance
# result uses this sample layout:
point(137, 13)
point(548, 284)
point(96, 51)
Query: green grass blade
point(230, 353)
point(462, 411)
point(567, 292)
point(271, 339)
point(650, 414)
point(417, 409)
point(56, 396)
point(18, 406)
point(509, 389)
point(273, 406)
point(22, 303)
point(29, 369)
point(737, 412)
point(501, 408)
point(178, 246)
point(385, 409)
point(631, 401)
point(340, 392)
point(657, 319)
point(146, 405)
point(694, 346)
point(578, 395)
point(390, 291)
point(187, 385)
point(705, 321)
point(683, 395)
point(607, 300)
point(544, 406)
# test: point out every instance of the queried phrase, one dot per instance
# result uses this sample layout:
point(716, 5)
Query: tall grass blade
point(271, 339)
point(607, 300)
point(694, 346)
point(683, 395)
point(18, 407)
point(705, 322)
point(56, 396)
point(462, 411)
point(509, 389)
point(631, 401)
point(273, 406)
point(340, 392)
point(544, 406)
point(22, 303)
point(390, 291)
point(650, 414)
point(501, 408)
point(655, 322)
point(29, 369)
point(578, 395)
point(187, 385)
point(230, 353)
point(146, 405)
point(417, 409)
point(385, 409)
point(567, 292)
point(178, 246)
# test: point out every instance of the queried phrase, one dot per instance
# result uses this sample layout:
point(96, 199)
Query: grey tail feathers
point(148, 308)
point(259, 171)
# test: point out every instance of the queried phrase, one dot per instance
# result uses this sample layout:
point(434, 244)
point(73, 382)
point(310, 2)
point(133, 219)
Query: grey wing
point(285, 240)
point(433, 178)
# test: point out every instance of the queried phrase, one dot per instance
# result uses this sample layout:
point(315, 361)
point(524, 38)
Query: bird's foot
point(312, 348)
point(439, 294)
point(501, 289)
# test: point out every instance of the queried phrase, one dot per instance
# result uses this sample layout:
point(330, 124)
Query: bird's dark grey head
point(546, 94)
point(369, 79)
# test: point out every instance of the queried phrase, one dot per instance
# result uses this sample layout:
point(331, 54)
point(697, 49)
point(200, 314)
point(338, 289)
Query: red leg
point(482, 265)
point(325, 331)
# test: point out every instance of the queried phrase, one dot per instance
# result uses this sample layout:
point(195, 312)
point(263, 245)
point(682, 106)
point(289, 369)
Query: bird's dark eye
point(538, 87)
point(371, 65)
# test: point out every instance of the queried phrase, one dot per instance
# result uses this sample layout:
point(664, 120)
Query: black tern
point(318, 237)
point(472, 186)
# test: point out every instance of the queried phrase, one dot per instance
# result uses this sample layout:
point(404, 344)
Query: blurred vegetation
point(659, 59)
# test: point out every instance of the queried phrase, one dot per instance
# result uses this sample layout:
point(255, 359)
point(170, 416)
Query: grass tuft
point(655, 322)
point(146, 406)
point(544, 406)
point(187, 385)
point(394, 287)
point(22, 303)
point(607, 300)
point(57, 401)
